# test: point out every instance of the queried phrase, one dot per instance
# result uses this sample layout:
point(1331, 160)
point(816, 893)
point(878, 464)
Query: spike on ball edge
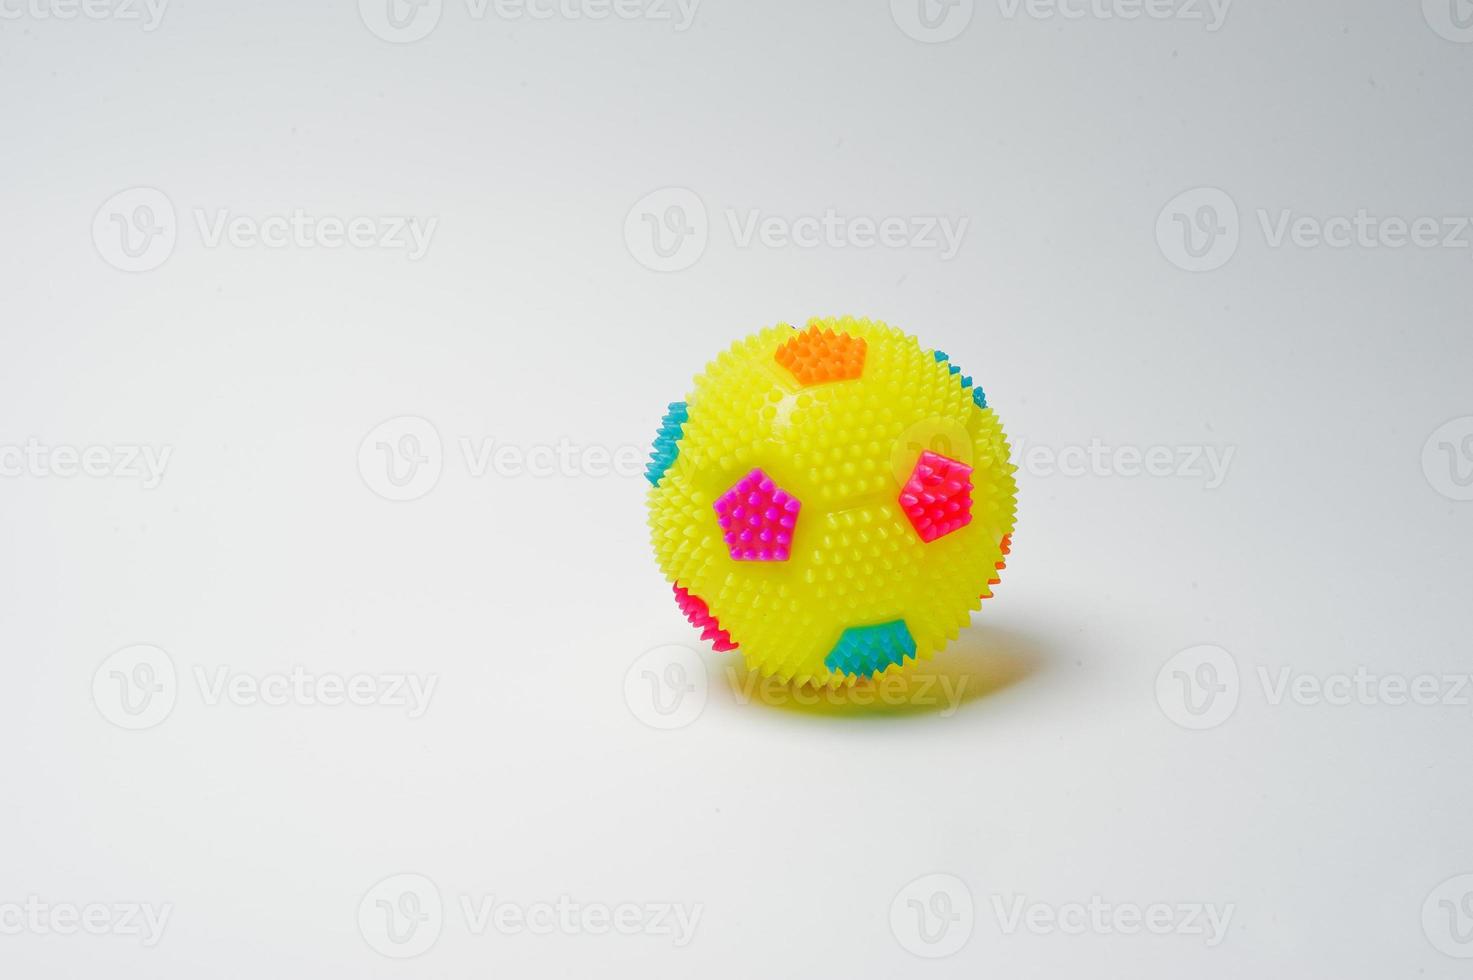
point(700, 617)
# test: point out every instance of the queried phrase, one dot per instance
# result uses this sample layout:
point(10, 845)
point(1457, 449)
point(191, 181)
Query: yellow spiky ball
point(833, 502)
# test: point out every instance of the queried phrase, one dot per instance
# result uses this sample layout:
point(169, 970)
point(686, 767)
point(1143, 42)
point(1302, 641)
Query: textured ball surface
point(831, 502)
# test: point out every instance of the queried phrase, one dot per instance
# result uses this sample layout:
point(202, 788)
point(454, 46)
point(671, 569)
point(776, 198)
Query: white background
point(1336, 541)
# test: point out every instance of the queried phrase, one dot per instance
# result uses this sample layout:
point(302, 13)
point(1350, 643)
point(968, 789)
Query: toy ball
point(833, 502)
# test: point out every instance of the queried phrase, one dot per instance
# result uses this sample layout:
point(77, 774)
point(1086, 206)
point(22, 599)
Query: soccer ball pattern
point(831, 502)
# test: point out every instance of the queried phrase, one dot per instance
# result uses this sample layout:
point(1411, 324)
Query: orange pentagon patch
point(815, 356)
